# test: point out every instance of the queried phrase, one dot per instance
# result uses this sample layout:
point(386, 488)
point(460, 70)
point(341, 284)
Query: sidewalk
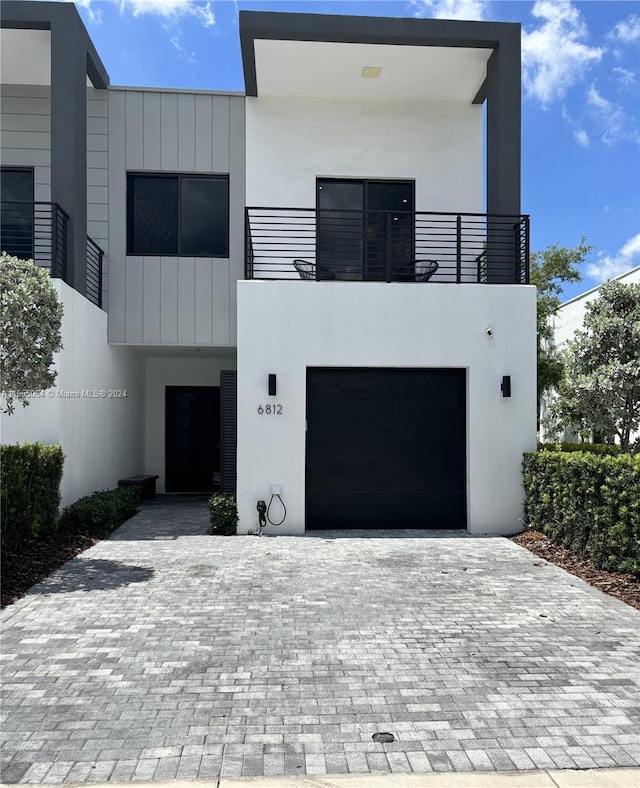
point(592, 778)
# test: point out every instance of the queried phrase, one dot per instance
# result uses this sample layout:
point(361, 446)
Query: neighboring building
point(365, 324)
point(566, 322)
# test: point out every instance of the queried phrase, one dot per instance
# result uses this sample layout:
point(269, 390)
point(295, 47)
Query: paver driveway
point(166, 653)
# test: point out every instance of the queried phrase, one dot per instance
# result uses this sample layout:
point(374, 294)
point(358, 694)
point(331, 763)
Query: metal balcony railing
point(35, 231)
point(94, 272)
point(38, 231)
point(386, 246)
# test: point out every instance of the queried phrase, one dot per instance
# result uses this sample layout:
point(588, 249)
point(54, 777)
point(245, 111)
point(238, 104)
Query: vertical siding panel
point(168, 301)
point(221, 303)
point(186, 301)
point(186, 132)
point(117, 216)
point(134, 288)
point(151, 301)
point(134, 130)
point(220, 136)
point(152, 131)
point(204, 112)
point(204, 305)
point(169, 135)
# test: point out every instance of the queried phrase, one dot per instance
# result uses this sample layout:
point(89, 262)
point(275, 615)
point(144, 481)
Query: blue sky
point(580, 111)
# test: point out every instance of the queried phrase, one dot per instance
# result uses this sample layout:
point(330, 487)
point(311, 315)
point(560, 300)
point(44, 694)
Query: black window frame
point(224, 177)
point(28, 251)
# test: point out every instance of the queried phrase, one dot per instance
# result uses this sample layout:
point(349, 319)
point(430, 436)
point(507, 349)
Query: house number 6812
point(270, 410)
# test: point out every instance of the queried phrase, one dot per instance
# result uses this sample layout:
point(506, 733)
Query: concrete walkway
point(166, 654)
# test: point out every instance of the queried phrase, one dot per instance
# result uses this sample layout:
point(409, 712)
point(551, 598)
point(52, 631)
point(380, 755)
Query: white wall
point(161, 372)
point(571, 314)
point(101, 436)
point(293, 141)
point(283, 327)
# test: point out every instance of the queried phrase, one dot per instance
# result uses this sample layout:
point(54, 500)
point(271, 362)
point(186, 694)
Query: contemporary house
point(315, 292)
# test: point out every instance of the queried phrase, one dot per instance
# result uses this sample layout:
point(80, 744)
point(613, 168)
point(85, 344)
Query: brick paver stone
point(164, 653)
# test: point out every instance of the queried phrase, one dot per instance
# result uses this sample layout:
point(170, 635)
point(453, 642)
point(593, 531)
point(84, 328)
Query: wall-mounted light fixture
point(505, 386)
point(272, 385)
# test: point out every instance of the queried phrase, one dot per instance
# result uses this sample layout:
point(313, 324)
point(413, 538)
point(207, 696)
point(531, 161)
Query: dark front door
point(386, 448)
point(16, 214)
point(365, 228)
point(192, 416)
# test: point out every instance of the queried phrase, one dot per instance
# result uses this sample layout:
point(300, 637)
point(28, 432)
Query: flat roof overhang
point(28, 30)
point(413, 68)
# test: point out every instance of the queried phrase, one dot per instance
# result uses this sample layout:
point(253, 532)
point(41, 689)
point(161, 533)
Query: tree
point(550, 269)
point(600, 392)
point(30, 322)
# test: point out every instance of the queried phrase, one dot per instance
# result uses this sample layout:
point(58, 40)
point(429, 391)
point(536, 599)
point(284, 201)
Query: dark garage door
point(386, 448)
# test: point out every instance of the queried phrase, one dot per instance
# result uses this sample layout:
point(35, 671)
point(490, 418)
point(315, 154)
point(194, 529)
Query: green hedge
point(610, 449)
point(30, 497)
point(588, 503)
point(102, 512)
point(223, 514)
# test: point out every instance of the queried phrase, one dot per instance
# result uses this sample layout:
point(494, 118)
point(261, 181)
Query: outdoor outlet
point(276, 489)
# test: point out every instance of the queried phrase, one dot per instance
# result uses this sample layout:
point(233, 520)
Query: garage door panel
point(389, 511)
point(403, 476)
point(386, 446)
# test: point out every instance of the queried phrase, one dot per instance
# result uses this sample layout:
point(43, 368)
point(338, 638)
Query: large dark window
point(16, 214)
point(178, 215)
point(365, 228)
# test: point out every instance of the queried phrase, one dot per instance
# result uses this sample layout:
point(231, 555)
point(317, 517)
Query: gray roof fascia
point(277, 26)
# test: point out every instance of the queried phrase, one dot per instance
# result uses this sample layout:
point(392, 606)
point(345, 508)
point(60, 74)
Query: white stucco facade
point(292, 141)
point(95, 410)
point(286, 327)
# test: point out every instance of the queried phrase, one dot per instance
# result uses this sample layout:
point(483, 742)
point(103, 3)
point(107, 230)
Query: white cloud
point(581, 137)
point(183, 54)
point(579, 134)
point(169, 9)
point(625, 77)
point(627, 257)
point(94, 14)
point(556, 55)
point(627, 31)
point(451, 9)
point(611, 118)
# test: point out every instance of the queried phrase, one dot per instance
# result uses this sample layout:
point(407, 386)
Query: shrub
point(588, 503)
point(102, 512)
point(610, 449)
point(223, 514)
point(30, 498)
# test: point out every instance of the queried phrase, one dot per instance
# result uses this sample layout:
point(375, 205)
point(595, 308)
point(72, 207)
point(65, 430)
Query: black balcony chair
point(425, 269)
point(308, 270)
point(420, 271)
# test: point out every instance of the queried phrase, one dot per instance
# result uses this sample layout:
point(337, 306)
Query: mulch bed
point(37, 561)
point(622, 586)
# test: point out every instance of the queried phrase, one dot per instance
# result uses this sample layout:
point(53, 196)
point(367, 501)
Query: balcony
point(386, 246)
point(38, 231)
